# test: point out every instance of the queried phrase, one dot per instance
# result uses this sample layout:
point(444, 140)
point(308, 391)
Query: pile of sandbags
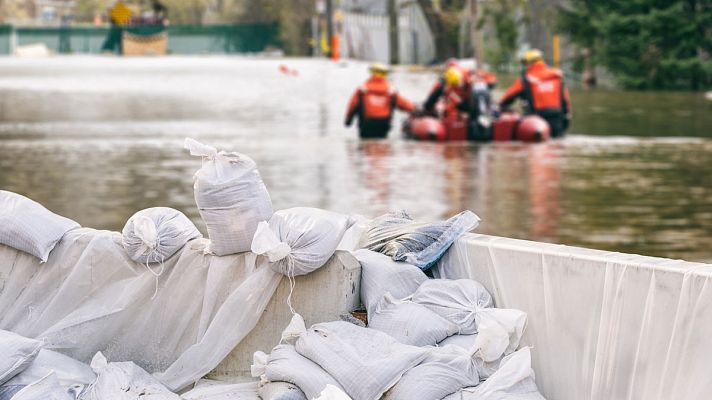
point(30, 372)
point(426, 339)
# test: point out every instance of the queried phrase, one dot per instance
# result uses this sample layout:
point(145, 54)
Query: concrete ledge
point(318, 297)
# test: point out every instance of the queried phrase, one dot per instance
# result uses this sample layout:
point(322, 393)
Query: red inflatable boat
point(509, 126)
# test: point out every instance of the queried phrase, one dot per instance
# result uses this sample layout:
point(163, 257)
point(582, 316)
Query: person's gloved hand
point(418, 112)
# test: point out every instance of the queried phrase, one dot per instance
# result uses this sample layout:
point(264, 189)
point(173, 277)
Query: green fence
point(182, 39)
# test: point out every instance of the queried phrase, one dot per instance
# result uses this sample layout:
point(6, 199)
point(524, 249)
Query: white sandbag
point(352, 236)
point(124, 381)
point(281, 391)
point(455, 300)
point(364, 361)
point(67, 370)
point(155, 234)
point(514, 380)
point(284, 364)
point(299, 240)
point(500, 331)
point(409, 322)
point(333, 393)
point(47, 388)
point(444, 371)
point(16, 354)
point(207, 389)
point(380, 274)
point(468, 343)
point(27, 226)
point(231, 198)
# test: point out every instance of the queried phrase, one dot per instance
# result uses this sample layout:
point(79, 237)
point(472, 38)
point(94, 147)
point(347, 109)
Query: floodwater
point(99, 138)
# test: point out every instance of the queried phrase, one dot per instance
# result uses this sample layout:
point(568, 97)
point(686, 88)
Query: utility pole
point(393, 31)
point(330, 25)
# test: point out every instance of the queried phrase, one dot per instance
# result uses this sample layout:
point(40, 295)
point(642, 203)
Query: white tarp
point(91, 297)
point(603, 325)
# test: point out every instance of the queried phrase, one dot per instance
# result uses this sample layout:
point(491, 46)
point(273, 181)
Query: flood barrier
point(603, 325)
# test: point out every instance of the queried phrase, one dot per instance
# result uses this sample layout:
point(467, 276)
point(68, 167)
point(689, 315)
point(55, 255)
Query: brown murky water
point(97, 139)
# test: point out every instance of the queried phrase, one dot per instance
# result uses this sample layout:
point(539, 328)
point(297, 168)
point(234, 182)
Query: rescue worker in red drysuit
point(455, 87)
point(544, 92)
point(374, 104)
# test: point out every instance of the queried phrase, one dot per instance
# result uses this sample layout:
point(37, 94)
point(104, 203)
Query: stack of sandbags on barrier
point(231, 198)
point(27, 226)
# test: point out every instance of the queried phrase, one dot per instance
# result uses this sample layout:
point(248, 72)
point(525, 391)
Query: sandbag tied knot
point(210, 153)
point(145, 231)
point(259, 363)
point(266, 243)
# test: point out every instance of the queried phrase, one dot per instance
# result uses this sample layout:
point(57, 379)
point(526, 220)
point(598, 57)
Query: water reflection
point(120, 153)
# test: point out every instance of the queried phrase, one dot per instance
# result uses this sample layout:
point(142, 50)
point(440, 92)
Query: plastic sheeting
point(91, 297)
point(604, 325)
point(422, 244)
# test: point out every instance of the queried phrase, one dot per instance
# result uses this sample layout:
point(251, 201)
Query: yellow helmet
point(453, 76)
point(532, 55)
point(379, 69)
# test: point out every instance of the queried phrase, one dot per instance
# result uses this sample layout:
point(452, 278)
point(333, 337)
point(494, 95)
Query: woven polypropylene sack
point(231, 198)
point(27, 226)
point(16, 354)
point(445, 371)
point(455, 300)
point(299, 240)
point(364, 361)
point(514, 380)
point(46, 388)
point(410, 323)
point(284, 364)
point(380, 274)
point(68, 371)
point(155, 234)
point(281, 391)
point(207, 389)
point(124, 381)
point(485, 369)
point(421, 244)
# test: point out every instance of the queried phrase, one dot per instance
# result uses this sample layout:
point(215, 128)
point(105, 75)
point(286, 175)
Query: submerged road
point(99, 138)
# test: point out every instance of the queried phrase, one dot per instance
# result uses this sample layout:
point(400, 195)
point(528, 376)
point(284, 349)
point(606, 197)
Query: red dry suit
point(374, 103)
point(545, 94)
